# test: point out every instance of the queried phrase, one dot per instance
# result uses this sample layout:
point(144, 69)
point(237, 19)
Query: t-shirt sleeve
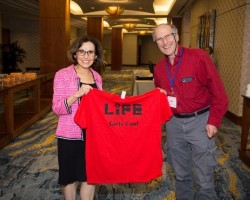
point(80, 116)
point(166, 113)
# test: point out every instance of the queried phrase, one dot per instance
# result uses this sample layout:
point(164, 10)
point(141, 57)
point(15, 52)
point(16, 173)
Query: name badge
point(172, 101)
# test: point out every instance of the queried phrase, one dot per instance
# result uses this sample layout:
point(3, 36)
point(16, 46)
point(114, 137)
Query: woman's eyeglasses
point(81, 52)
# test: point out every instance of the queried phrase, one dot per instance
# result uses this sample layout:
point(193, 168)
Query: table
point(17, 114)
point(142, 86)
point(244, 153)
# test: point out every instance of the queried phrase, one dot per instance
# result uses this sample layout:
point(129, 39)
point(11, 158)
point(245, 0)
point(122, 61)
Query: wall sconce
point(114, 10)
point(129, 27)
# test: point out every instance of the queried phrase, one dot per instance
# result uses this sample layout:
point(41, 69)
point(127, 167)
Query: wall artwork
point(206, 29)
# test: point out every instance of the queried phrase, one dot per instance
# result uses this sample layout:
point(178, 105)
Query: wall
point(106, 43)
point(149, 50)
point(1, 28)
point(231, 47)
point(185, 35)
point(73, 34)
point(129, 49)
point(1, 67)
point(245, 72)
point(26, 32)
point(76, 32)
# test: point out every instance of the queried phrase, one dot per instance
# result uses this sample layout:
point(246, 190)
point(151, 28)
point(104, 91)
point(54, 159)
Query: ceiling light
point(161, 20)
point(111, 1)
point(142, 32)
point(129, 27)
point(114, 10)
point(124, 30)
point(163, 7)
point(106, 24)
point(75, 9)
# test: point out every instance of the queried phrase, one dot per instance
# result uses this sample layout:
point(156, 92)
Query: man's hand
point(163, 91)
point(211, 130)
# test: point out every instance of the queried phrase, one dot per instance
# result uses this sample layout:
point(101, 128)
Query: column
point(177, 22)
point(54, 34)
point(95, 29)
point(116, 51)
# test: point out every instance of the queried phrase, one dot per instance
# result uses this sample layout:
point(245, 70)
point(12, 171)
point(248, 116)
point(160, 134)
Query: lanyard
point(170, 78)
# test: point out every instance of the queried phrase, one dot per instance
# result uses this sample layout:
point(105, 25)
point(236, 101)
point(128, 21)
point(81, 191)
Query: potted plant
point(12, 54)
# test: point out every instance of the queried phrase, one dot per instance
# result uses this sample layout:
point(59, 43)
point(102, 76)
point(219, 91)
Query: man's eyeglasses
point(164, 38)
point(81, 52)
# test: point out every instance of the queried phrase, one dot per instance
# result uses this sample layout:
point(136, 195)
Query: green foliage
point(12, 54)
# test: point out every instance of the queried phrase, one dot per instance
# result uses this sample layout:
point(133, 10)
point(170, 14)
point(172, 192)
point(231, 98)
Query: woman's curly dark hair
point(77, 43)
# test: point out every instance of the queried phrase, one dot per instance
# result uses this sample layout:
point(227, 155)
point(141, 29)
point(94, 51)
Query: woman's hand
point(84, 89)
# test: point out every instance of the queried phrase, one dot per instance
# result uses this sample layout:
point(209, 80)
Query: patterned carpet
point(28, 166)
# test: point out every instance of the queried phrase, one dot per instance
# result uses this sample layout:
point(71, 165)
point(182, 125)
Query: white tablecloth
point(142, 86)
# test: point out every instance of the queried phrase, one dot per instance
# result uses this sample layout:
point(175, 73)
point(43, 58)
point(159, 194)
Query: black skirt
point(71, 160)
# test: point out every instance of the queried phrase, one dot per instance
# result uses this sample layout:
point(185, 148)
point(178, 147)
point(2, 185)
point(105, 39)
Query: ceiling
point(139, 11)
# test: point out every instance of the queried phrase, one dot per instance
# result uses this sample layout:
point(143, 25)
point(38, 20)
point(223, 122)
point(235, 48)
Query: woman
point(70, 84)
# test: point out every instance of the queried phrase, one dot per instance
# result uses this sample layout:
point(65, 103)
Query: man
point(210, 52)
point(198, 101)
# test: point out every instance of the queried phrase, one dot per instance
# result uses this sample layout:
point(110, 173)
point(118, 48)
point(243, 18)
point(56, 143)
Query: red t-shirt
point(123, 136)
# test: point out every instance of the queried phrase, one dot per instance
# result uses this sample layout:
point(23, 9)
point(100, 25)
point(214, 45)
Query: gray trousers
point(190, 150)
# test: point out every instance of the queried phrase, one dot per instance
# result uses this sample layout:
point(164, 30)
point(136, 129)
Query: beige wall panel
point(224, 6)
point(198, 9)
point(185, 35)
point(231, 46)
point(129, 49)
point(245, 71)
point(228, 53)
point(150, 51)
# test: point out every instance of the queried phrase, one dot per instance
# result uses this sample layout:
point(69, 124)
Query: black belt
point(188, 115)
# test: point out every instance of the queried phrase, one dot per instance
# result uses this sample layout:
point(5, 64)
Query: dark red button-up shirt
point(197, 83)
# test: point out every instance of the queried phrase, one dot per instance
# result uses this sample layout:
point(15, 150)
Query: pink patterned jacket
point(66, 83)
